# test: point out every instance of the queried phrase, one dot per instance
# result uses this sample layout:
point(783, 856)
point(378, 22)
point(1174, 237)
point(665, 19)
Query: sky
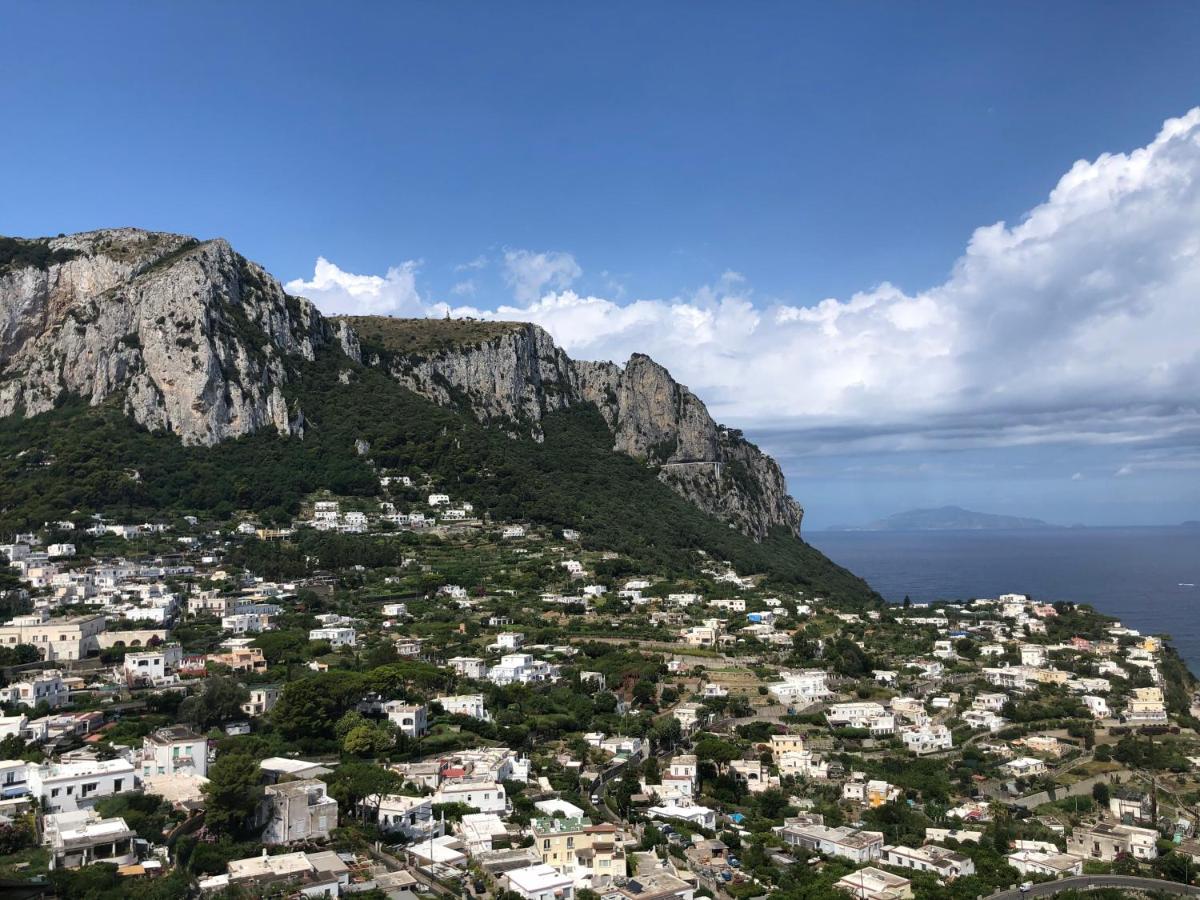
point(922, 253)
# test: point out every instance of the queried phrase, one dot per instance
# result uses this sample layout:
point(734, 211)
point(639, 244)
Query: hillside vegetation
point(83, 459)
point(425, 337)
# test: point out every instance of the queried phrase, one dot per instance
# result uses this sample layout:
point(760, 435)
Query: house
point(652, 884)
point(338, 636)
point(870, 883)
point(508, 640)
point(465, 705)
point(485, 796)
point(410, 816)
point(469, 666)
point(410, 719)
point(521, 668)
point(924, 739)
point(297, 811)
point(322, 874)
point(154, 667)
point(1050, 865)
point(82, 837)
point(753, 773)
point(439, 499)
point(867, 716)
point(685, 811)
point(263, 698)
point(1106, 842)
point(801, 688)
point(873, 793)
point(944, 863)
point(175, 749)
point(477, 831)
point(68, 786)
point(539, 882)
point(241, 659)
point(1024, 767)
point(844, 841)
point(1146, 706)
point(513, 531)
point(591, 854)
point(41, 687)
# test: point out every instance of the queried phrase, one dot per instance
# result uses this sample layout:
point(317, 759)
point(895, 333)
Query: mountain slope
point(946, 518)
point(188, 338)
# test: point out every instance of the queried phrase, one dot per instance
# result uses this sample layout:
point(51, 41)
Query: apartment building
point(591, 854)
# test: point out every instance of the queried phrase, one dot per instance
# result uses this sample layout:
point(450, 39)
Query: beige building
point(73, 637)
point(591, 854)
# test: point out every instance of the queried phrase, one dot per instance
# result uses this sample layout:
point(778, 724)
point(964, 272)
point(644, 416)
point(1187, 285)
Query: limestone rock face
point(196, 338)
point(199, 341)
point(520, 375)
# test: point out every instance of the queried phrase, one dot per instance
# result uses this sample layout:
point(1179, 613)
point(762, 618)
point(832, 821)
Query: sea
point(1149, 578)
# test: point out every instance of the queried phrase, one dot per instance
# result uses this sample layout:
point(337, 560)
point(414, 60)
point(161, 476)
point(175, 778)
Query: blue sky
point(623, 172)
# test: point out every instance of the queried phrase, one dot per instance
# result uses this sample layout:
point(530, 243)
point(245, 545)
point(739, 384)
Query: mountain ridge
point(945, 518)
point(196, 340)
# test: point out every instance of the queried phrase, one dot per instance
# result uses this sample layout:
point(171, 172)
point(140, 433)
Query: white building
point(173, 750)
point(485, 796)
point(801, 688)
point(465, 705)
point(42, 687)
point(540, 882)
point(338, 636)
point(410, 719)
point(64, 787)
point(1050, 865)
point(521, 668)
point(941, 861)
point(154, 667)
point(927, 739)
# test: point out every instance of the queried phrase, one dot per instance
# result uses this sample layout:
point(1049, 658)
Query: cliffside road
point(1089, 882)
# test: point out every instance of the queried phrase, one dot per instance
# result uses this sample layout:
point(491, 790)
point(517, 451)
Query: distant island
point(945, 518)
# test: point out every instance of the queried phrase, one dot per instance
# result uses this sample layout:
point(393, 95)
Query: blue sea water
point(1137, 575)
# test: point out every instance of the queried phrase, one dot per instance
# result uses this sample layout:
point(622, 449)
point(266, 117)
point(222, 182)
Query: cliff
point(196, 340)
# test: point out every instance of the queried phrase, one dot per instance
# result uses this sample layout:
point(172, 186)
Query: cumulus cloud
point(338, 292)
point(1077, 323)
point(529, 274)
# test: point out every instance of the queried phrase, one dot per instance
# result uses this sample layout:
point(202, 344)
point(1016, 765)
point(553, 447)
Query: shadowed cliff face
point(201, 342)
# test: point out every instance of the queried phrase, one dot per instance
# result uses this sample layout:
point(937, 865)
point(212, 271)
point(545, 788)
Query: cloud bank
point(1080, 322)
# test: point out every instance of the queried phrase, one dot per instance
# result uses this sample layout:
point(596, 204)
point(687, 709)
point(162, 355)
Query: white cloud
point(464, 288)
point(478, 262)
point(1124, 470)
point(338, 292)
point(1077, 323)
point(1078, 476)
point(529, 274)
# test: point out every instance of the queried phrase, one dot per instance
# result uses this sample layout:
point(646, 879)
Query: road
point(1088, 882)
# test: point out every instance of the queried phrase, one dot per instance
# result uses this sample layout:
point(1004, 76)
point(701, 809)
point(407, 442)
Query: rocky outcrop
point(195, 338)
point(518, 375)
point(199, 341)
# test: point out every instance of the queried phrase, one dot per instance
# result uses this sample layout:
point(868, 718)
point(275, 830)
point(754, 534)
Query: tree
point(1100, 793)
point(232, 794)
point(219, 701)
point(353, 782)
